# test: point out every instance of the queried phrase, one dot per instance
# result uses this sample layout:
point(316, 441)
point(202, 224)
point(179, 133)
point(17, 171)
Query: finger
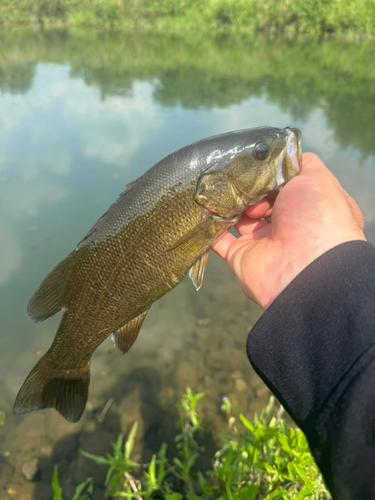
point(258, 210)
point(311, 161)
point(268, 213)
point(222, 245)
point(248, 226)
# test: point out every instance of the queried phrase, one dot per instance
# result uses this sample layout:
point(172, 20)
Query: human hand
point(311, 215)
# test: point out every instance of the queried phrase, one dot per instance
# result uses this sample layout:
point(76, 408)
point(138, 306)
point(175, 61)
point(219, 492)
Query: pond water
point(81, 115)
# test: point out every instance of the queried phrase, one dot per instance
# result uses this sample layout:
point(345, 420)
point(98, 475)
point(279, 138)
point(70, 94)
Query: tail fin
point(50, 387)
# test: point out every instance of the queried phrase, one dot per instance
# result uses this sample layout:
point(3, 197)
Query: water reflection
point(10, 253)
point(83, 114)
point(199, 71)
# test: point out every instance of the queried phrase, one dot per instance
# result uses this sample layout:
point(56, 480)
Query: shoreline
point(177, 30)
point(289, 18)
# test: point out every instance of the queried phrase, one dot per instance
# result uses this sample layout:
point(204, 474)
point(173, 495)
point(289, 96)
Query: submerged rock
point(204, 322)
point(30, 469)
point(241, 385)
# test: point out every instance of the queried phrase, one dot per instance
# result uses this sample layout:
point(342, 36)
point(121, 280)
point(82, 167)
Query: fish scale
point(158, 229)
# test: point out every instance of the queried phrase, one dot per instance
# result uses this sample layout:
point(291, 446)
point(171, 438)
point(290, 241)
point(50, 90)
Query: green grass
point(261, 459)
point(273, 16)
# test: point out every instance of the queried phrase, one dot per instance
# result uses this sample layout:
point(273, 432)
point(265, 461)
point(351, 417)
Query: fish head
point(242, 173)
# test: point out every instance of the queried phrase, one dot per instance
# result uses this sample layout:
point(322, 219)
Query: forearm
point(314, 347)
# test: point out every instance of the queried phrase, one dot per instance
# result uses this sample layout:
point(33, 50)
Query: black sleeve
point(314, 348)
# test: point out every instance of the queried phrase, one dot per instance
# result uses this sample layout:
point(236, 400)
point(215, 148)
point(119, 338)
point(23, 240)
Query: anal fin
point(196, 273)
point(127, 334)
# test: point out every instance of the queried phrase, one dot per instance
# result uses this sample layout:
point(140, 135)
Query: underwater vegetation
point(258, 459)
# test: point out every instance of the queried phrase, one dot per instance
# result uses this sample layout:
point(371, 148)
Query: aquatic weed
point(119, 464)
point(82, 492)
point(260, 459)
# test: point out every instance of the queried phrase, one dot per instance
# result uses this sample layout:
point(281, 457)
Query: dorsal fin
point(127, 334)
point(128, 187)
point(196, 273)
point(50, 296)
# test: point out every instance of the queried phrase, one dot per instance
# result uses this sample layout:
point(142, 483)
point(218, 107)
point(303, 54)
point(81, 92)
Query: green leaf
point(129, 494)
point(56, 488)
point(268, 409)
point(268, 468)
point(249, 493)
point(117, 447)
point(131, 463)
point(284, 442)
point(302, 441)
point(130, 441)
point(201, 480)
point(283, 427)
point(191, 460)
point(276, 494)
point(198, 396)
point(304, 493)
point(88, 486)
point(162, 460)
point(152, 470)
point(109, 473)
point(230, 494)
point(246, 422)
point(96, 458)
point(173, 496)
point(297, 470)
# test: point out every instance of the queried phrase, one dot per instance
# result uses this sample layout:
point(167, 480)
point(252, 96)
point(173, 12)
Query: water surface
point(81, 115)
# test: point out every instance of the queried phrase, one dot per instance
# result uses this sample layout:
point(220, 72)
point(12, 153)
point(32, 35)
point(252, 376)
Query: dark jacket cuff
point(317, 332)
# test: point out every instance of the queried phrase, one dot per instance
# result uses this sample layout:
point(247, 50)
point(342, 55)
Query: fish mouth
point(289, 161)
point(294, 147)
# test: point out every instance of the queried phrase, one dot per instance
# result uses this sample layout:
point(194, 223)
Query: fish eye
point(261, 150)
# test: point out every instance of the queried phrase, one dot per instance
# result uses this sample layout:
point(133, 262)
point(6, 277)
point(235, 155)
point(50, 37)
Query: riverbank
point(349, 17)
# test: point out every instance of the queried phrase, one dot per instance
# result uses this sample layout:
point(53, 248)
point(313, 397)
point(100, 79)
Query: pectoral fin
point(196, 273)
point(197, 238)
point(127, 334)
point(202, 236)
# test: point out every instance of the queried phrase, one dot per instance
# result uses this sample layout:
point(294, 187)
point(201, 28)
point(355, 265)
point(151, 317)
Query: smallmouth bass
point(161, 227)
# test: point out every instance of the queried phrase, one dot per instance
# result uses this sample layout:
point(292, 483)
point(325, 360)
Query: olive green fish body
point(161, 227)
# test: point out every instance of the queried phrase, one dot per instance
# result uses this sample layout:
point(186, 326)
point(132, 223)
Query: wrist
point(303, 257)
